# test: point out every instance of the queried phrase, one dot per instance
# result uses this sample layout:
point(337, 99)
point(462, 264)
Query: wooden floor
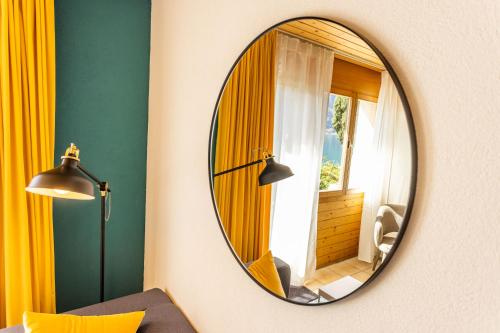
point(358, 269)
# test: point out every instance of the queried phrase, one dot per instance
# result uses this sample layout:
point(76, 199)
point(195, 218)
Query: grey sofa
point(284, 272)
point(300, 294)
point(162, 316)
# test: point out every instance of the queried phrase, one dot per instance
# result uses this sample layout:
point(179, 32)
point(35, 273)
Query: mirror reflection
point(311, 161)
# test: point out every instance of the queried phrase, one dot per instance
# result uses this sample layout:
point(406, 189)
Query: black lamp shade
point(66, 181)
point(274, 172)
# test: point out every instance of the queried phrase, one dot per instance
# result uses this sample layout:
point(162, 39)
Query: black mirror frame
point(414, 164)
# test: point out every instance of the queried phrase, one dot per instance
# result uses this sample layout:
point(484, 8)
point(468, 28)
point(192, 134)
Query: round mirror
point(312, 161)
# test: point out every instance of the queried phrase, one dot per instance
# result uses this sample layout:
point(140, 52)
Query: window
point(347, 143)
point(335, 142)
point(349, 127)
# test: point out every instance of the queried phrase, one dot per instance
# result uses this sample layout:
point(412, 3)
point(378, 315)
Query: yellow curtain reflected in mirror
point(27, 97)
point(245, 124)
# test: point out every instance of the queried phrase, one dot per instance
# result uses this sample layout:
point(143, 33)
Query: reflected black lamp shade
point(66, 181)
point(274, 172)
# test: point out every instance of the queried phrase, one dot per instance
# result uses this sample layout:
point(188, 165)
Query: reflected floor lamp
point(272, 172)
point(71, 180)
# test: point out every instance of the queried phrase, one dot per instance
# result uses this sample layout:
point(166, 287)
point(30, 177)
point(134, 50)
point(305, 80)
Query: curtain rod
point(337, 51)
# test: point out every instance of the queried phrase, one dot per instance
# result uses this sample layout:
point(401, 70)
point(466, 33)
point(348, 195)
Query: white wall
point(445, 277)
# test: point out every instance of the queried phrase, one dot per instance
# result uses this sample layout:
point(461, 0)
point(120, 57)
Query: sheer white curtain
point(389, 129)
point(304, 74)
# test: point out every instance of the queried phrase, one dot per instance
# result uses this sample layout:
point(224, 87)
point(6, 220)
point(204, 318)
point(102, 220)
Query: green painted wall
point(102, 104)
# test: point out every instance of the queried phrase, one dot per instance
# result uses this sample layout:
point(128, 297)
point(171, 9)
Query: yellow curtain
point(27, 97)
point(245, 123)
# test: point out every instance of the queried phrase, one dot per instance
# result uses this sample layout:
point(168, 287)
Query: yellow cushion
point(264, 270)
point(65, 323)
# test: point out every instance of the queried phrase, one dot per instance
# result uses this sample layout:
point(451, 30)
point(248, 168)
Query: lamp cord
point(107, 204)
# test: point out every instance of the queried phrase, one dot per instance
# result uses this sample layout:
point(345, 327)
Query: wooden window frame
point(349, 77)
point(348, 146)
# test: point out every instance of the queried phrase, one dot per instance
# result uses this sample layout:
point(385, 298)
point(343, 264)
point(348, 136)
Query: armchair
point(385, 231)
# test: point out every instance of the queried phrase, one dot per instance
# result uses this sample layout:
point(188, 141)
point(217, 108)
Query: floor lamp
point(272, 172)
point(71, 180)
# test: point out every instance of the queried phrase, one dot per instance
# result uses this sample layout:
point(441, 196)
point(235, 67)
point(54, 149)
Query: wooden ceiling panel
point(347, 45)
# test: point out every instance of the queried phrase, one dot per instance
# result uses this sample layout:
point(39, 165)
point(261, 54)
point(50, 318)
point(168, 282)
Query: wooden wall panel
point(350, 77)
point(339, 221)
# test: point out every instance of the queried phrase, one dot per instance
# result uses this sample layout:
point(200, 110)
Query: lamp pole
point(103, 192)
point(237, 168)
